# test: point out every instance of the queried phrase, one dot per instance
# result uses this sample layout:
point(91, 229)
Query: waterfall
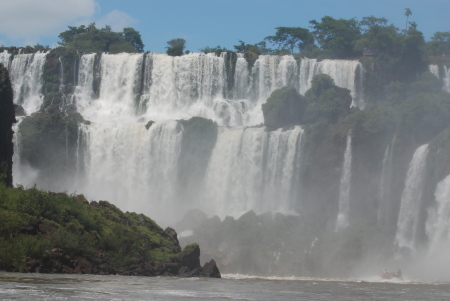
point(345, 73)
point(84, 91)
point(5, 58)
point(241, 77)
point(344, 188)
point(186, 86)
point(434, 69)
point(384, 203)
point(442, 74)
point(250, 168)
point(446, 79)
point(25, 71)
point(145, 179)
point(438, 222)
point(118, 159)
point(410, 205)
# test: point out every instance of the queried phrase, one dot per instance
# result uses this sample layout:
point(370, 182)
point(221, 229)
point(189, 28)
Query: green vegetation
point(176, 47)
point(91, 39)
point(336, 38)
point(284, 107)
point(35, 225)
point(292, 38)
point(7, 118)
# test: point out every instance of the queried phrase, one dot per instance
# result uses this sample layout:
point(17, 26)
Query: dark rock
point(211, 270)
point(190, 257)
point(172, 233)
point(19, 110)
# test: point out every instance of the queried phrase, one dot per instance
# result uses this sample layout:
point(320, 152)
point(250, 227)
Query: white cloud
point(117, 19)
point(28, 19)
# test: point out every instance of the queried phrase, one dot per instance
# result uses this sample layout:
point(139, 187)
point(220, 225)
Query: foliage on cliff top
point(284, 107)
point(33, 222)
point(326, 101)
point(91, 39)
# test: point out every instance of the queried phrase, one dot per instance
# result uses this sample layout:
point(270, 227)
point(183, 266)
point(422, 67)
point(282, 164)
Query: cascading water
point(118, 94)
point(250, 168)
point(384, 202)
point(408, 219)
point(438, 222)
point(345, 73)
point(241, 77)
point(446, 79)
point(25, 71)
point(434, 69)
point(5, 58)
point(344, 188)
point(442, 73)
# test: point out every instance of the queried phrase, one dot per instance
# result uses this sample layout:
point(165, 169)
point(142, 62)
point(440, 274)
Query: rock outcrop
point(7, 118)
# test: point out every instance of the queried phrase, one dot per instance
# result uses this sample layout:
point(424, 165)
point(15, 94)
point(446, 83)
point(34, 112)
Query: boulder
point(211, 270)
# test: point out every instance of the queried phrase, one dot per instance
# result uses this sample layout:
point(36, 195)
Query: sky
point(202, 23)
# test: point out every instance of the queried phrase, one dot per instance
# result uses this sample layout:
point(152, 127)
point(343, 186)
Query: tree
point(134, 38)
point(257, 49)
point(284, 107)
point(7, 118)
point(176, 47)
point(291, 38)
point(411, 59)
point(378, 36)
point(336, 37)
point(439, 44)
point(92, 39)
point(407, 14)
point(326, 101)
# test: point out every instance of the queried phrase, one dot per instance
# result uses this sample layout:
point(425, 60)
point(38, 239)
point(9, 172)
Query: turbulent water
point(231, 287)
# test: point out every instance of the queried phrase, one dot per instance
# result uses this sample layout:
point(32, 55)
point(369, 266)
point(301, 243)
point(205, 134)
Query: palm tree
point(407, 14)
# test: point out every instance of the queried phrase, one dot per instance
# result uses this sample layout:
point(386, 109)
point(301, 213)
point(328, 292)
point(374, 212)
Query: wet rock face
point(7, 118)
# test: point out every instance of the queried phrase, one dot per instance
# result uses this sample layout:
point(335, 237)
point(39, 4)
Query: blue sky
point(202, 22)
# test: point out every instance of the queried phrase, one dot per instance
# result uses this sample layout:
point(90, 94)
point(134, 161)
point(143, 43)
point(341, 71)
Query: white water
point(84, 92)
point(5, 58)
point(344, 188)
point(251, 169)
point(408, 219)
point(438, 222)
point(446, 79)
point(345, 73)
point(384, 202)
point(443, 74)
point(25, 71)
point(119, 160)
point(434, 69)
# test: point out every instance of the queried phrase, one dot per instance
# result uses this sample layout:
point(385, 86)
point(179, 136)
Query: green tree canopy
point(92, 39)
point(439, 44)
point(176, 47)
point(378, 36)
point(336, 37)
point(291, 38)
point(284, 107)
point(134, 38)
point(326, 101)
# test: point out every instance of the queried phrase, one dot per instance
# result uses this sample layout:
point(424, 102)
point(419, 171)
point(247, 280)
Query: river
point(15, 286)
